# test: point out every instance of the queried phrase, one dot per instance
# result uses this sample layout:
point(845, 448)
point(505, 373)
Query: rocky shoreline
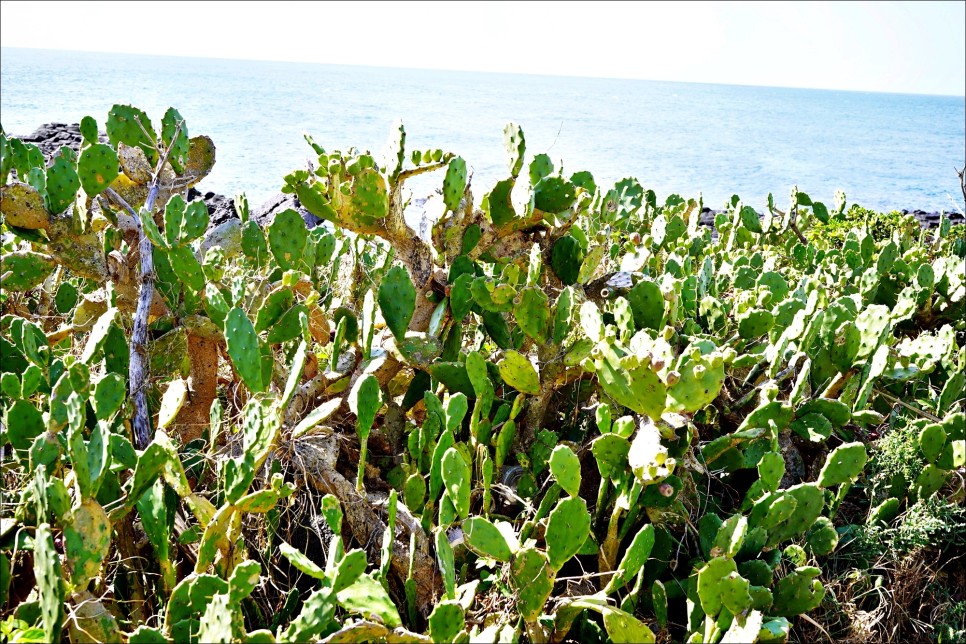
point(221, 208)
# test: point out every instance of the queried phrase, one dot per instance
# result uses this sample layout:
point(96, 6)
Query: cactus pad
point(932, 438)
point(454, 183)
point(244, 349)
point(554, 194)
point(532, 313)
point(87, 541)
point(457, 479)
point(517, 371)
point(486, 539)
point(23, 206)
point(24, 270)
point(287, 236)
point(397, 300)
point(516, 146)
point(822, 537)
point(446, 621)
point(565, 467)
point(647, 303)
point(62, 181)
point(566, 258)
point(798, 593)
point(843, 465)
point(131, 126)
point(97, 168)
point(533, 578)
point(567, 530)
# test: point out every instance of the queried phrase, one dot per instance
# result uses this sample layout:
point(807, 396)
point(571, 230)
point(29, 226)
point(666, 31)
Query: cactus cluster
point(565, 380)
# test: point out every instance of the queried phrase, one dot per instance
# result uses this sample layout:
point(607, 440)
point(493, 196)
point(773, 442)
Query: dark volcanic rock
point(50, 137)
point(220, 207)
point(265, 213)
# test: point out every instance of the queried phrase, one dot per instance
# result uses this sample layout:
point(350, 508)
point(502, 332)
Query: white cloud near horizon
point(906, 47)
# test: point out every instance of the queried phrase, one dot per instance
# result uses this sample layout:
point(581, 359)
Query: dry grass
point(909, 598)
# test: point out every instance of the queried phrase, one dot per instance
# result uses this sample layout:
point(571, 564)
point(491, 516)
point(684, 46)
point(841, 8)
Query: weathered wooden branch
point(139, 366)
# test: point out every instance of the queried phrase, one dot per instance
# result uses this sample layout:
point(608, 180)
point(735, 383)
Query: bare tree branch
point(138, 372)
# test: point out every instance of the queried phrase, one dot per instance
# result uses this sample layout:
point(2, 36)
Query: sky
point(905, 47)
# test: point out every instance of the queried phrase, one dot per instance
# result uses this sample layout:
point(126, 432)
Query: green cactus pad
point(370, 198)
point(540, 167)
point(397, 300)
point(711, 583)
point(180, 145)
point(131, 126)
point(567, 530)
point(929, 481)
point(822, 537)
point(872, 324)
point(461, 297)
point(812, 427)
point(97, 168)
point(87, 541)
point(62, 181)
point(50, 585)
point(187, 267)
point(88, 129)
point(798, 593)
point(809, 501)
point(287, 236)
point(734, 593)
point(244, 349)
point(497, 204)
point(884, 513)
point(24, 270)
point(516, 146)
point(533, 578)
point(446, 621)
point(289, 326)
point(837, 412)
point(647, 303)
point(554, 194)
point(183, 223)
point(755, 323)
point(700, 382)
point(932, 438)
point(730, 536)
point(532, 313)
point(273, 307)
point(487, 539)
point(492, 295)
point(771, 469)
point(517, 371)
point(565, 467)
point(633, 560)
point(457, 479)
point(843, 465)
point(368, 598)
point(566, 258)
point(636, 387)
point(454, 183)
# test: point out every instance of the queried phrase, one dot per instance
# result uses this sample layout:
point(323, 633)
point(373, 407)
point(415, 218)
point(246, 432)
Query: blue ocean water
point(887, 151)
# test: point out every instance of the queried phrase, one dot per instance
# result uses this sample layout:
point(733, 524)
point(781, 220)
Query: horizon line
point(476, 71)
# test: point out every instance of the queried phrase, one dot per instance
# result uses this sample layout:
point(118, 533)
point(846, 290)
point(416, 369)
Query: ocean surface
point(886, 151)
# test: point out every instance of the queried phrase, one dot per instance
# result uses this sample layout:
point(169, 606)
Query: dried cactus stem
point(138, 372)
point(194, 416)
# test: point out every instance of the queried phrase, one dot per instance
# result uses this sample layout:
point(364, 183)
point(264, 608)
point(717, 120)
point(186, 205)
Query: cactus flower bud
point(666, 489)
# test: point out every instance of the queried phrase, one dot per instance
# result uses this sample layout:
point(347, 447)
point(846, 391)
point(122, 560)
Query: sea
point(885, 151)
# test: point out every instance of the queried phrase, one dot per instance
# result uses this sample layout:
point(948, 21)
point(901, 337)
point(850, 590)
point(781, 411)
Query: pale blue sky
point(910, 47)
